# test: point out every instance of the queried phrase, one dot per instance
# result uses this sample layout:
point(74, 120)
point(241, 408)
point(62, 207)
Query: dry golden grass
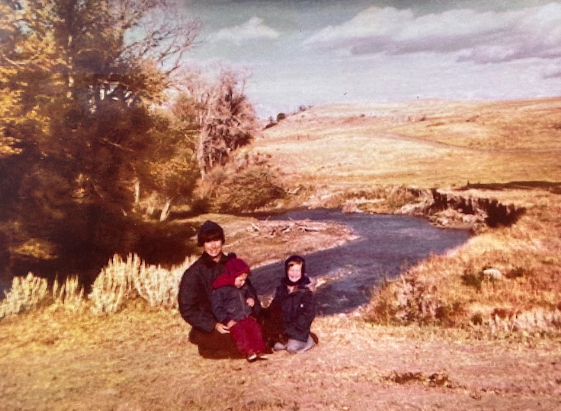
point(453, 289)
point(424, 144)
point(68, 295)
point(26, 292)
point(492, 126)
point(120, 282)
point(124, 280)
point(140, 359)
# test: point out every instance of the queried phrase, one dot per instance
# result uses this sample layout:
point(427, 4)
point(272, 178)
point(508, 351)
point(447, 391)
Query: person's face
point(213, 248)
point(295, 272)
point(240, 280)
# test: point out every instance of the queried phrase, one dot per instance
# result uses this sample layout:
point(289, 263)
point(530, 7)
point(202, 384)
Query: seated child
point(295, 302)
point(234, 304)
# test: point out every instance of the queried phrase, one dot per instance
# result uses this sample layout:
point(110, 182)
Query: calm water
point(385, 245)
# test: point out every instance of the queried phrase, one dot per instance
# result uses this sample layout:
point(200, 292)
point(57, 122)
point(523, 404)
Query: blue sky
point(317, 52)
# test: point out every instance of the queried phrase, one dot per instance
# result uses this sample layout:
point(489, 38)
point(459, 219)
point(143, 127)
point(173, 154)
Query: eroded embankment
point(453, 209)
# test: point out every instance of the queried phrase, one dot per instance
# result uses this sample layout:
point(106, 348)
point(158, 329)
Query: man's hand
point(221, 328)
point(250, 301)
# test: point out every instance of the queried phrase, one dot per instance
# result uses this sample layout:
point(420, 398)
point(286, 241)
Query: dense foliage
point(86, 129)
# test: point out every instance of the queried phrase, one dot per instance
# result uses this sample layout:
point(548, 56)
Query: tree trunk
point(166, 210)
point(136, 192)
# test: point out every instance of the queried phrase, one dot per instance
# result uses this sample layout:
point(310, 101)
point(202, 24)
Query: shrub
point(472, 280)
point(26, 292)
point(69, 296)
point(122, 281)
point(159, 286)
point(114, 285)
point(248, 190)
point(119, 282)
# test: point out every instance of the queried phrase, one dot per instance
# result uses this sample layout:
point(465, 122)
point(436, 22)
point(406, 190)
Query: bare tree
point(224, 115)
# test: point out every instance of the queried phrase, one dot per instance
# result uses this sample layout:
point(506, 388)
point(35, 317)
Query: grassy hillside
point(423, 144)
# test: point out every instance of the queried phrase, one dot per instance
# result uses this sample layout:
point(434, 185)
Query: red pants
point(247, 335)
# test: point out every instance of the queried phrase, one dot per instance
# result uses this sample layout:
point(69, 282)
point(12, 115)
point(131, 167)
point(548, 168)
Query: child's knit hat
point(233, 269)
point(236, 267)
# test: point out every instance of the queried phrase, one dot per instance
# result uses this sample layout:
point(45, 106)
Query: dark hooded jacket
point(298, 308)
point(195, 290)
point(228, 301)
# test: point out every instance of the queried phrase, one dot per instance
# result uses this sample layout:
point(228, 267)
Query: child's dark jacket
point(229, 302)
point(298, 310)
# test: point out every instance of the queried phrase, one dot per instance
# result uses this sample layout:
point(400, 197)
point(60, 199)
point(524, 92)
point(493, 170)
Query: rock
point(493, 274)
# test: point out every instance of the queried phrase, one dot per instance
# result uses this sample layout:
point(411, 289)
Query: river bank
point(381, 248)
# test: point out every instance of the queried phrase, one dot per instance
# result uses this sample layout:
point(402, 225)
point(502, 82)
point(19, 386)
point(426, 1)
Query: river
point(385, 245)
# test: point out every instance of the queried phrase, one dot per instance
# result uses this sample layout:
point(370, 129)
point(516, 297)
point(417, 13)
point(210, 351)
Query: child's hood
point(233, 269)
point(304, 280)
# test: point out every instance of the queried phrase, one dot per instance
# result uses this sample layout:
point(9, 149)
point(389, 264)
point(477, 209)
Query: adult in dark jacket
point(195, 292)
point(295, 303)
point(235, 304)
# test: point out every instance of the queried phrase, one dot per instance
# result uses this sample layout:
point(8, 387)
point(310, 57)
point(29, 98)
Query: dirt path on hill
point(440, 144)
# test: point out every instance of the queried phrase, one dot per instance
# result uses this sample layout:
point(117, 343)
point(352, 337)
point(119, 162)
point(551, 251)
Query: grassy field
point(444, 336)
point(425, 144)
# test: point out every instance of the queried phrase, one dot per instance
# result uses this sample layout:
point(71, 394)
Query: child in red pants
point(235, 304)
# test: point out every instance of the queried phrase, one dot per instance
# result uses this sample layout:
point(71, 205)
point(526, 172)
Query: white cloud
point(479, 37)
point(553, 71)
point(252, 29)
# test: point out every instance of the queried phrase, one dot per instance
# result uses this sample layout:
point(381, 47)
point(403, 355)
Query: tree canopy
point(79, 80)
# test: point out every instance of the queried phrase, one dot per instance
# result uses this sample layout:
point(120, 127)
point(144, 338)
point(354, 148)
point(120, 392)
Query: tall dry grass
point(69, 295)
point(26, 293)
point(125, 280)
point(120, 282)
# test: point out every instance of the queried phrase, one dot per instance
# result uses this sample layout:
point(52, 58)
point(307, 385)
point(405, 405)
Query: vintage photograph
point(260, 205)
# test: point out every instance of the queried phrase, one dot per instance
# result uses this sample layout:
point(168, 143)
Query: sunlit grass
point(26, 293)
point(119, 283)
point(424, 144)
